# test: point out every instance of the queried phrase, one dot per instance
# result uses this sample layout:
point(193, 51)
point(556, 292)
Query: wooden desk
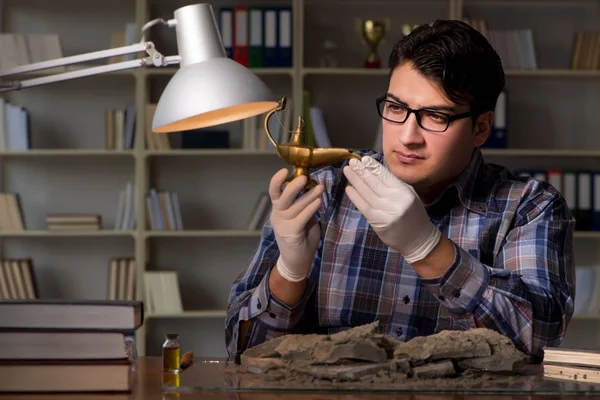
point(148, 387)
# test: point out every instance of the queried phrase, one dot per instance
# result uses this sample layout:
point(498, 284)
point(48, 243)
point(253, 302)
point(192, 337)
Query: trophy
point(408, 28)
point(372, 33)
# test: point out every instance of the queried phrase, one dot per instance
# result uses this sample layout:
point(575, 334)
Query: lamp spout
point(303, 157)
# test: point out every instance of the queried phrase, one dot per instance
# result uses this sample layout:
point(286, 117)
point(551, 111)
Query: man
point(424, 237)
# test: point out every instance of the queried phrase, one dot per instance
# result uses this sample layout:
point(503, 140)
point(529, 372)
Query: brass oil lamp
point(303, 157)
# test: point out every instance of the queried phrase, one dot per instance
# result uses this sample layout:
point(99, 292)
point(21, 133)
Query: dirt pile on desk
point(365, 354)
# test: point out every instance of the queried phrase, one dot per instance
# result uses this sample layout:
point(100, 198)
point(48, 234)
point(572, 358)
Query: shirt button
point(272, 315)
point(406, 299)
point(258, 305)
point(442, 298)
point(456, 293)
point(399, 332)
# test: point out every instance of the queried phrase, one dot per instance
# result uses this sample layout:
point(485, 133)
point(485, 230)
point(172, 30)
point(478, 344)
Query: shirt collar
point(472, 185)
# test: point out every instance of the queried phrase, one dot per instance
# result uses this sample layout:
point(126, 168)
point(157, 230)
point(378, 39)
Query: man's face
point(427, 160)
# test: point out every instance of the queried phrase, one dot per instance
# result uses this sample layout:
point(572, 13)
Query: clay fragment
point(438, 369)
point(504, 355)
point(370, 331)
point(299, 347)
point(341, 372)
point(364, 354)
point(443, 345)
point(330, 353)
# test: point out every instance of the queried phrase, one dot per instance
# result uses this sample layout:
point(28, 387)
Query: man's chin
point(410, 177)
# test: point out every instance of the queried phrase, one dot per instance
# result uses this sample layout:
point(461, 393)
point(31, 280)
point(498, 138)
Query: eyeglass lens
point(429, 120)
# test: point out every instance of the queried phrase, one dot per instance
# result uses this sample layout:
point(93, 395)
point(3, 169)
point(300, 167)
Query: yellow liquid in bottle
point(171, 358)
point(171, 379)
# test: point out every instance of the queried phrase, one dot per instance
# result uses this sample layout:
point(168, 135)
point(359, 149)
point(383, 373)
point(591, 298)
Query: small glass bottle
point(171, 353)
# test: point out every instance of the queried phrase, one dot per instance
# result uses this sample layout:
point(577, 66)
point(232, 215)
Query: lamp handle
point(280, 107)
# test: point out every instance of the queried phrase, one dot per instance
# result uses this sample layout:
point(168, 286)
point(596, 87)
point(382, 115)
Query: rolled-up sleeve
point(251, 300)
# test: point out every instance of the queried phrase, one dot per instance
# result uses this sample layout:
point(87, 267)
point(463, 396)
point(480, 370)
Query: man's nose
point(410, 131)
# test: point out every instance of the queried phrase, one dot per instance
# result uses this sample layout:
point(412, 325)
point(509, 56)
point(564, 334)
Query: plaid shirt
point(513, 270)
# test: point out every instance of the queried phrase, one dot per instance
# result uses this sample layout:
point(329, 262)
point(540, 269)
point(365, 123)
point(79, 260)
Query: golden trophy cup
point(302, 156)
point(408, 28)
point(372, 33)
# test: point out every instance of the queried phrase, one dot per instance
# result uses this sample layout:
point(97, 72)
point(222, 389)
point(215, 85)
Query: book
point(67, 345)
point(575, 373)
point(571, 357)
point(65, 376)
point(50, 314)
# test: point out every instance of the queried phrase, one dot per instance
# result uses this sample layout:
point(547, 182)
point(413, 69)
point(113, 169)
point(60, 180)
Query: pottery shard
point(264, 350)
point(351, 372)
point(370, 331)
point(438, 369)
point(273, 353)
point(402, 365)
point(328, 352)
point(299, 347)
point(446, 344)
point(504, 357)
point(261, 365)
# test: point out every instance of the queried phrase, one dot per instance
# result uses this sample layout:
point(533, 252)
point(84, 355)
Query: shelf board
point(190, 314)
point(48, 233)
point(536, 73)
point(209, 152)
point(588, 317)
point(211, 233)
point(66, 153)
point(169, 71)
point(345, 71)
point(540, 152)
point(553, 73)
point(586, 234)
point(522, 2)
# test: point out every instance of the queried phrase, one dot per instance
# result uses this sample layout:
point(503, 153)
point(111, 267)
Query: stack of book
point(73, 222)
point(571, 364)
point(66, 346)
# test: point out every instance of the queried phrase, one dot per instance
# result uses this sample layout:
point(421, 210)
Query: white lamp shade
point(209, 93)
point(209, 88)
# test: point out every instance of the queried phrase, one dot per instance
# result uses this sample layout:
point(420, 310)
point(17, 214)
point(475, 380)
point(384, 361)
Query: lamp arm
point(169, 23)
point(154, 58)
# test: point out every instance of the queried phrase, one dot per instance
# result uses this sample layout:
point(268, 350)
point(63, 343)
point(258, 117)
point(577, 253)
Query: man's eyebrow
point(438, 107)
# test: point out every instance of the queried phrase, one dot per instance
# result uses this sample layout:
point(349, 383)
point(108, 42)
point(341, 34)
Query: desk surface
point(149, 377)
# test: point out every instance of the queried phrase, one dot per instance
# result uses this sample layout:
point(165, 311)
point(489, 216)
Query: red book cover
point(240, 34)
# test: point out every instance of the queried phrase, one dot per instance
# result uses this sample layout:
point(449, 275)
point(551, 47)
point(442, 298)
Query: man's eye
point(395, 108)
point(435, 117)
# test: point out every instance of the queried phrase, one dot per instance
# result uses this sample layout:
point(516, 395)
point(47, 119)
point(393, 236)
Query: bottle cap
point(172, 335)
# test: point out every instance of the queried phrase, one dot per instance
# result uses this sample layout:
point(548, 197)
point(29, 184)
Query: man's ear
point(482, 128)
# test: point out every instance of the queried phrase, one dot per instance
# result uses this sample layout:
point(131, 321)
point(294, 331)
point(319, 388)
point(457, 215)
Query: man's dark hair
point(458, 58)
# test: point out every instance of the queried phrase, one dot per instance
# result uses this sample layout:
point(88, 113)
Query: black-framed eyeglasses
point(428, 119)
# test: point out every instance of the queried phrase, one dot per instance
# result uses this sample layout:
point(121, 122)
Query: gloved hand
point(392, 207)
point(295, 226)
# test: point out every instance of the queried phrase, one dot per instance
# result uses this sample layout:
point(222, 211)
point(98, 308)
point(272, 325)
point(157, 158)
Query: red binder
point(240, 35)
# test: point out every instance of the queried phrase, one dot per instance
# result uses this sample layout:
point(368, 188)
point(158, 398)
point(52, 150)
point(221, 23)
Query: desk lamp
point(208, 89)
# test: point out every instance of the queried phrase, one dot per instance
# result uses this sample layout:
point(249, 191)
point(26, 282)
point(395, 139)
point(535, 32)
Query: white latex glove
point(295, 226)
point(392, 207)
